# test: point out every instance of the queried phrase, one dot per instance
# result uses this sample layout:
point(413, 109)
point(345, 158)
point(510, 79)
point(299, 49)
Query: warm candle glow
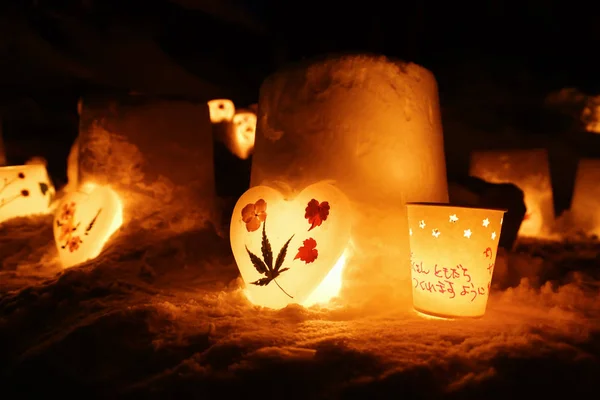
point(291, 251)
point(453, 251)
point(585, 205)
point(84, 222)
point(244, 124)
point(24, 190)
point(530, 171)
point(221, 110)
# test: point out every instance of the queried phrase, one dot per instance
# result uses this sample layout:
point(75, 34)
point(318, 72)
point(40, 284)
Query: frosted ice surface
point(157, 154)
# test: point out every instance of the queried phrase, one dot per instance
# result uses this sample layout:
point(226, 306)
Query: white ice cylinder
point(372, 127)
point(158, 155)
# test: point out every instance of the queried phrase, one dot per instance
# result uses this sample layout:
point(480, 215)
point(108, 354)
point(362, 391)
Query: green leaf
point(43, 188)
point(258, 263)
point(281, 255)
point(265, 248)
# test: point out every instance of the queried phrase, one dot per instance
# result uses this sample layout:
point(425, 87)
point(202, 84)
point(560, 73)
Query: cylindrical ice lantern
point(156, 154)
point(585, 205)
point(371, 127)
point(452, 255)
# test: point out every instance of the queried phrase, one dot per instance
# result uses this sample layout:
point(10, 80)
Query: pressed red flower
point(316, 213)
point(308, 251)
point(254, 215)
point(74, 243)
point(68, 211)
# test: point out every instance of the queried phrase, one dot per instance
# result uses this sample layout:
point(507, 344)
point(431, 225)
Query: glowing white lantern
point(24, 190)
point(452, 251)
point(84, 221)
point(585, 205)
point(372, 127)
point(530, 171)
point(221, 110)
point(244, 123)
point(285, 249)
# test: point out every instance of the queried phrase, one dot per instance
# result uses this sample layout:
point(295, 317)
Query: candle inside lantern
point(221, 110)
point(24, 190)
point(530, 171)
point(452, 255)
point(371, 127)
point(585, 206)
point(244, 123)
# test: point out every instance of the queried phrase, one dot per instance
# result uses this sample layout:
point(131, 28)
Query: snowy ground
point(164, 318)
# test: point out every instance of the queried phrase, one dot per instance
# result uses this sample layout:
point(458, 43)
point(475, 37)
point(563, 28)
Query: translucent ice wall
point(372, 127)
point(158, 155)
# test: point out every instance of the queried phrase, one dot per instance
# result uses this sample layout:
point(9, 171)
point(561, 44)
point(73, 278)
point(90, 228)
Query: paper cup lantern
point(452, 254)
point(372, 127)
point(24, 190)
point(530, 171)
point(585, 205)
point(244, 124)
point(285, 248)
point(84, 221)
point(221, 110)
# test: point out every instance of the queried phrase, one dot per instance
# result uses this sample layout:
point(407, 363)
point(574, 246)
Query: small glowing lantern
point(244, 124)
point(452, 254)
point(530, 171)
point(585, 205)
point(24, 190)
point(372, 127)
point(84, 221)
point(221, 110)
point(285, 249)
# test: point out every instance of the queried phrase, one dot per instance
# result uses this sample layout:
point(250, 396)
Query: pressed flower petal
point(253, 225)
point(262, 216)
point(248, 213)
point(260, 206)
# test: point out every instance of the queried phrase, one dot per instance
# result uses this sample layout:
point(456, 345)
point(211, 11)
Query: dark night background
point(495, 62)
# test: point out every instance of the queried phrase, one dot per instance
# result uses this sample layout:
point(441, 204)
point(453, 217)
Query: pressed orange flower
point(65, 230)
point(68, 211)
point(74, 243)
point(254, 215)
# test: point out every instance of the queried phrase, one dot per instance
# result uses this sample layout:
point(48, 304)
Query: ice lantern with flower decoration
point(585, 206)
point(24, 190)
point(84, 221)
point(530, 171)
point(368, 128)
point(452, 255)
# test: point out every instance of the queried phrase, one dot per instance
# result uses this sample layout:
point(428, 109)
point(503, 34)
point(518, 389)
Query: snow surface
point(164, 317)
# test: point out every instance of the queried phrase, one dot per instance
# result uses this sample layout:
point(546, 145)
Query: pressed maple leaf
point(316, 213)
point(308, 251)
point(265, 266)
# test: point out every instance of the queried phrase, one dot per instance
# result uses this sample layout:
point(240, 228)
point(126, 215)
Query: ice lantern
point(585, 206)
point(24, 190)
point(369, 126)
point(287, 249)
point(84, 221)
point(244, 123)
point(452, 255)
point(530, 171)
point(221, 110)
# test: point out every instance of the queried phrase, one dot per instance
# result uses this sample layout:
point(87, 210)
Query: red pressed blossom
point(308, 251)
point(316, 213)
point(254, 215)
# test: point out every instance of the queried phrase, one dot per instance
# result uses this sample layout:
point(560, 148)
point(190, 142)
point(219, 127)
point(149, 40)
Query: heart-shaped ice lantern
point(84, 221)
point(285, 248)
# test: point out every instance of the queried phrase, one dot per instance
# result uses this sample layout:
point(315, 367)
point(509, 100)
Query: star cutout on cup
point(468, 233)
point(453, 218)
point(435, 233)
point(422, 224)
point(493, 235)
point(486, 222)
